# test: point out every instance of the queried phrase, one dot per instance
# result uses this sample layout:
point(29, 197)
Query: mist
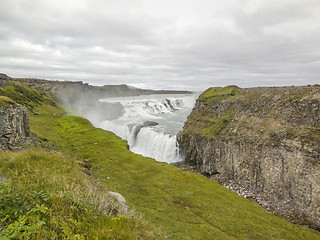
point(86, 104)
point(148, 122)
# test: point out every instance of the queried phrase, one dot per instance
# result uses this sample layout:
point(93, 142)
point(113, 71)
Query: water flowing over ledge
point(150, 123)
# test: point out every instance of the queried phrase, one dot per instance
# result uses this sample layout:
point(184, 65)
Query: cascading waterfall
point(150, 123)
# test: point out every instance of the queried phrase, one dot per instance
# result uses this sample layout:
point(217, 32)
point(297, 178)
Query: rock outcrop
point(263, 143)
point(4, 80)
point(119, 203)
point(14, 124)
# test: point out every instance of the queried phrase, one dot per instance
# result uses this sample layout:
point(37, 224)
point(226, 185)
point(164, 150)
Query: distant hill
point(84, 88)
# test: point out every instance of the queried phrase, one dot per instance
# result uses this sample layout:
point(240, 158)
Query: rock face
point(14, 125)
point(4, 80)
point(263, 143)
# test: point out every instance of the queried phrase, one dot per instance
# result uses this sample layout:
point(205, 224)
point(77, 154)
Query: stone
point(120, 202)
point(14, 126)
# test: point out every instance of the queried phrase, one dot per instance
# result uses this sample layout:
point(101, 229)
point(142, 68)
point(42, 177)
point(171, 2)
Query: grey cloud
point(186, 46)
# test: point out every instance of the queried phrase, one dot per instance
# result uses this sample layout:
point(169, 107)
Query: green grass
point(207, 126)
point(183, 205)
point(6, 102)
point(48, 196)
point(26, 96)
point(179, 205)
point(218, 93)
point(205, 123)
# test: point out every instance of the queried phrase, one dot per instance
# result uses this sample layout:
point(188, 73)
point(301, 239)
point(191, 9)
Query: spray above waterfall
point(150, 123)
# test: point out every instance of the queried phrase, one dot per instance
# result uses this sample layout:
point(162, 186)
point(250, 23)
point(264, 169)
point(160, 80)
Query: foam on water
point(150, 123)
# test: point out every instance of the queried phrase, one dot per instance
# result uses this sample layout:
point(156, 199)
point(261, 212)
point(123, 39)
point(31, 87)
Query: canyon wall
point(263, 143)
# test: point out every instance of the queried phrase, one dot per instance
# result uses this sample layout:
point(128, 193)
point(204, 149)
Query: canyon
point(263, 143)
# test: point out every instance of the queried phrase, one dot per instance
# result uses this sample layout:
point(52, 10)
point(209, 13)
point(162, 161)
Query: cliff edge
point(263, 143)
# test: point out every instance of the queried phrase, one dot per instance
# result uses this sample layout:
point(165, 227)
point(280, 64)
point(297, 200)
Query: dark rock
point(150, 123)
point(14, 127)
point(136, 129)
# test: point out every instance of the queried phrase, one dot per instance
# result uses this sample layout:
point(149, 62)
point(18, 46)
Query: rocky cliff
point(14, 124)
point(263, 143)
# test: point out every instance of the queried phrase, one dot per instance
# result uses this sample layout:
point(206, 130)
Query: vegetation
point(6, 102)
point(45, 196)
point(260, 107)
point(26, 96)
point(208, 123)
point(207, 126)
point(218, 93)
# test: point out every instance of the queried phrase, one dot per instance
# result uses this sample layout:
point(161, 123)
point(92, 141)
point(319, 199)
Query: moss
point(26, 96)
point(203, 121)
point(218, 125)
point(206, 126)
point(6, 102)
point(218, 93)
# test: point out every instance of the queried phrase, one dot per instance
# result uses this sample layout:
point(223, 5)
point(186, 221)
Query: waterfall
point(150, 123)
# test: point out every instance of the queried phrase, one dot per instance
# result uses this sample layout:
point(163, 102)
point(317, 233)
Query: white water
point(150, 140)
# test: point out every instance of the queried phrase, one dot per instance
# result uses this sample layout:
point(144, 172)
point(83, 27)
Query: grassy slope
point(26, 96)
point(202, 123)
point(49, 197)
point(184, 205)
point(6, 102)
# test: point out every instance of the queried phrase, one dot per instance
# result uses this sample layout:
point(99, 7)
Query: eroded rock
point(14, 126)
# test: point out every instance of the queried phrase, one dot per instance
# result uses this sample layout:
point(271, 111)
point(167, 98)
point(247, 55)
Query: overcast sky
point(163, 44)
